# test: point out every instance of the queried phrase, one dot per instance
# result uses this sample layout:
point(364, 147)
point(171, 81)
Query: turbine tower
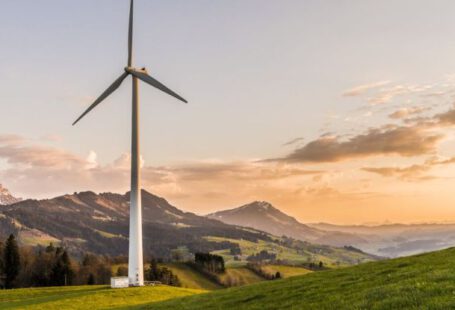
point(135, 258)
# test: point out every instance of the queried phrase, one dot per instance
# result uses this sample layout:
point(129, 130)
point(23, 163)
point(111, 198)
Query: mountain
point(263, 216)
point(423, 281)
point(99, 223)
point(6, 198)
point(395, 240)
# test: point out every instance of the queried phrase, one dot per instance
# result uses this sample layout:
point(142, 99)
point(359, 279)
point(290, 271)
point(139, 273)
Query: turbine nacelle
point(130, 70)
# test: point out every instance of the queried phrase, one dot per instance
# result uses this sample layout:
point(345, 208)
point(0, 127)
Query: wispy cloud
point(407, 111)
point(416, 172)
point(293, 141)
point(362, 89)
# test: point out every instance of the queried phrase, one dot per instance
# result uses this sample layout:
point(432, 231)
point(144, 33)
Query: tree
point(91, 279)
point(153, 270)
point(50, 248)
point(12, 261)
point(210, 262)
point(122, 271)
point(68, 273)
point(2, 256)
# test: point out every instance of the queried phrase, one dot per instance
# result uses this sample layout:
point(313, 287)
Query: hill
point(393, 240)
point(88, 297)
point(99, 223)
point(264, 216)
point(425, 281)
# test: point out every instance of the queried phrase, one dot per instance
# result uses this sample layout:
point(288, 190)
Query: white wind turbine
point(135, 258)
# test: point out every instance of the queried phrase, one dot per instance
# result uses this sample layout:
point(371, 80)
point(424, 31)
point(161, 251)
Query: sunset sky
point(333, 111)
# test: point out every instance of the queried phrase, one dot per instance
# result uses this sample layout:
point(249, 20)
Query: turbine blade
point(104, 95)
point(130, 35)
point(142, 75)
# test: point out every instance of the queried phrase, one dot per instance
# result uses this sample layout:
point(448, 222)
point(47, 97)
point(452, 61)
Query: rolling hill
point(88, 297)
point(425, 281)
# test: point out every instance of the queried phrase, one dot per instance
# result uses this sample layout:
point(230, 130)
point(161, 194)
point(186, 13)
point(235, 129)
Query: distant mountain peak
point(264, 216)
point(257, 206)
point(6, 198)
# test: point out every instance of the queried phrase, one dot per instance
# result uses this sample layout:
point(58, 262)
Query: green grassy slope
point(239, 276)
point(424, 281)
point(190, 278)
point(88, 297)
point(331, 256)
point(286, 271)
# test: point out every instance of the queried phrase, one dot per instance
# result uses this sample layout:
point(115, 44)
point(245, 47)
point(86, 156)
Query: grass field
point(189, 278)
point(338, 257)
point(425, 281)
point(286, 271)
point(88, 297)
point(239, 276)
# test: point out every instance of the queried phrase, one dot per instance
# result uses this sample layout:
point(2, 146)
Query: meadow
point(88, 297)
point(425, 281)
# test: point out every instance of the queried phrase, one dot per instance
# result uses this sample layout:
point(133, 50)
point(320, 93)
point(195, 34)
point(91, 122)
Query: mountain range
point(99, 223)
point(391, 240)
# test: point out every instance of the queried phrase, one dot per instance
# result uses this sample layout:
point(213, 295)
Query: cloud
point(386, 95)
point(42, 171)
point(293, 141)
point(388, 140)
point(446, 118)
point(52, 138)
point(238, 170)
point(11, 139)
point(412, 172)
point(415, 172)
point(405, 112)
point(362, 89)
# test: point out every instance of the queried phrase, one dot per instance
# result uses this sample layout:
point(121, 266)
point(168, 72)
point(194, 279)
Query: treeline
point(263, 256)
point(257, 269)
point(48, 266)
point(161, 274)
point(210, 262)
point(211, 265)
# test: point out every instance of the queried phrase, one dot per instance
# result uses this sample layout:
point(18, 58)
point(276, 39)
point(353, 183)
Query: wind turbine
point(135, 256)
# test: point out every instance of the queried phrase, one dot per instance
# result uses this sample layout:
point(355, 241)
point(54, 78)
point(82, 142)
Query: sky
point(333, 111)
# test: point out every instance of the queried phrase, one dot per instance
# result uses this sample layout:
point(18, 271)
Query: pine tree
point(68, 272)
point(2, 258)
point(91, 279)
point(11, 261)
point(153, 270)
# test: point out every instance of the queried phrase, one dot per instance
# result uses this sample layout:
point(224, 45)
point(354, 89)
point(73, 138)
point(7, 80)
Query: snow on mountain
point(6, 198)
